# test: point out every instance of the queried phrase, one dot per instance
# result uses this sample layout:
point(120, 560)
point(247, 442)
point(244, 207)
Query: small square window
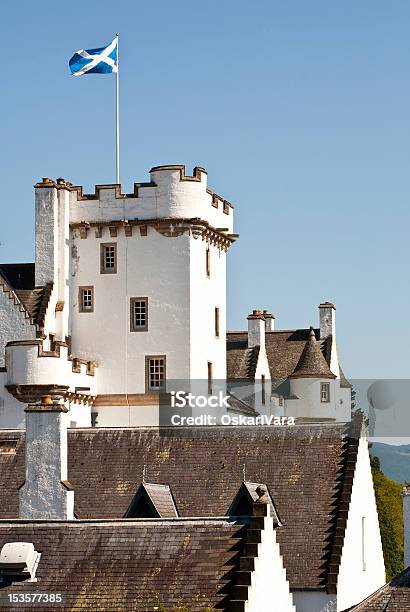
point(108, 258)
point(86, 299)
point(155, 371)
point(325, 392)
point(139, 314)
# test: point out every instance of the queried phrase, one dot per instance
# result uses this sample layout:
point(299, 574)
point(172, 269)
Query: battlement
point(170, 193)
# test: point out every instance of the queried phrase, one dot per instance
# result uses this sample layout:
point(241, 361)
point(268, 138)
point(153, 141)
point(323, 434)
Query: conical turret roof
point(312, 363)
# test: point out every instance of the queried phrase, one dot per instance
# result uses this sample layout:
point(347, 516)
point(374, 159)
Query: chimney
point(256, 329)
point(269, 321)
point(53, 244)
point(327, 316)
point(46, 493)
point(406, 525)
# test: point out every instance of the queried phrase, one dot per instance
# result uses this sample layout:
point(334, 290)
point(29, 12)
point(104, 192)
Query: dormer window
point(108, 258)
point(325, 392)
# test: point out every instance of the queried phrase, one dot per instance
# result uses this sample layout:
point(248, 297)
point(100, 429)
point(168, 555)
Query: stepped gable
point(19, 281)
point(307, 470)
point(312, 363)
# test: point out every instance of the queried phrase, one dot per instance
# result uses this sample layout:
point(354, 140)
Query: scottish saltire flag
point(101, 60)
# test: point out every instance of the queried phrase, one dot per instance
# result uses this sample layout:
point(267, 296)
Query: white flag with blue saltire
point(91, 61)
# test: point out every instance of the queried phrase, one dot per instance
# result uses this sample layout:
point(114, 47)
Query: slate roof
point(392, 597)
point(304, 468)
point(241, 360)
point(158, 496)
point(131, 565)
point(312, 363)
point(284, 349)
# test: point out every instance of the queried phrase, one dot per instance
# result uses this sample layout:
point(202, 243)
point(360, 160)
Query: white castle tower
point(134, 293)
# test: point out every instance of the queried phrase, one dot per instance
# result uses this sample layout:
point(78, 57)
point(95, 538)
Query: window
point(208, 262)
point(86, 299)
point(139, 314)
point(263, 394)
point(217, 321)
point(155, 368)
point(325, 392)
point(108, 258)
point(209, 378)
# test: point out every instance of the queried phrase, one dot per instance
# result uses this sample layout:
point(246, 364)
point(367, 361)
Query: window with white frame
point(86, 299)
point(109, 258)
point(325, 392)
point(139, 314)
point(155, 372)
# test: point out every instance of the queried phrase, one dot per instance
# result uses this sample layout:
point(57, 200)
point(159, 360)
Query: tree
point(390, 510)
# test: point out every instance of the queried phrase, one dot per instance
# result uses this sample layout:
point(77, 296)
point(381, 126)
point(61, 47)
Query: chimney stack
point(46, 493)
point(327, 317)
point(406, 525)
point(256, 329)
point(269, 321)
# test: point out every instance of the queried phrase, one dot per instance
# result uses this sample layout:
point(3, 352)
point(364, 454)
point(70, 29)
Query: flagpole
point(117, 116)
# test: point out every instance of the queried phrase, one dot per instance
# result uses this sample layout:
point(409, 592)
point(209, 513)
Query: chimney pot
point(269, 321)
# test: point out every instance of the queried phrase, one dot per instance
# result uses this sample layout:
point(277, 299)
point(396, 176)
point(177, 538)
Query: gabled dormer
point(152, 501)
point(247, 495)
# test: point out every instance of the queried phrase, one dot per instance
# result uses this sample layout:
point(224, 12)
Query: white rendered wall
point(43, 495)
point(152, 266)
point(269, 589)
point(206, 294)
point(308, 404)
point(171, 197)
point(314, 601)
point(170, 271)
point(13, 324)
point(11, 410)
point(357, 581)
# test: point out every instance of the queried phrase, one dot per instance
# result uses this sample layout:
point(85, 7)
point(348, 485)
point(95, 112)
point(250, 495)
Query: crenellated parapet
point(170, 194)
point(32, 370)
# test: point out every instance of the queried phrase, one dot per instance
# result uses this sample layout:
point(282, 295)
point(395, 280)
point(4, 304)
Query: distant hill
point(394, 460)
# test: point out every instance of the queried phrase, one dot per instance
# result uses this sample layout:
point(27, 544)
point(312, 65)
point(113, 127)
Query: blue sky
point(300, 111)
